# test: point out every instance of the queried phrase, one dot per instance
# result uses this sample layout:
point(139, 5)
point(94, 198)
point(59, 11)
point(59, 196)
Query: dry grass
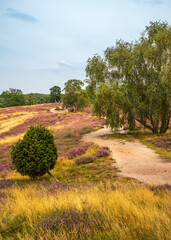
point(11, 139)
point(135, 213)
point(13, 121)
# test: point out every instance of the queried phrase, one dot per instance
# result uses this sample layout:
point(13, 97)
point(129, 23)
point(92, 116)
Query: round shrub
point(36, 153)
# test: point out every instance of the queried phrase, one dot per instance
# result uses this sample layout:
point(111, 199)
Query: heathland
point(91, 200)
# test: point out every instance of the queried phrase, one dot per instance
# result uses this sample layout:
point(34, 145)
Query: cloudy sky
point(45, 43)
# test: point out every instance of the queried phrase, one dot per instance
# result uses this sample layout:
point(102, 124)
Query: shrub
point(85, 159)
point(36, 154)
point(103, 151)
point(74, 152)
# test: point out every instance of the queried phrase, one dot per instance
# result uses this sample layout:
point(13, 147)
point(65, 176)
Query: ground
point(134, 159)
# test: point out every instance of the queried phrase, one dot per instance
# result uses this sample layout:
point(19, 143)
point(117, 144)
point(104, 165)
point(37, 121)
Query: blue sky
point(45, 43)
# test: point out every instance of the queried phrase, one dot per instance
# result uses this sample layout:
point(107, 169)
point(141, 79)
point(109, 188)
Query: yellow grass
point(11, 139)
point(57, 126)
point(2, 116)
point(127, 212)
point(6, 125)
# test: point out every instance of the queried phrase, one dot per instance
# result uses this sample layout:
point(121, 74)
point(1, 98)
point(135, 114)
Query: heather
point(66, 127)
point(74, 152)
point(103, 151)
point(90, 201)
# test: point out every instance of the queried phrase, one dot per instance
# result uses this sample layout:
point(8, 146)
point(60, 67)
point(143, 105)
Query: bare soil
point(134, 159)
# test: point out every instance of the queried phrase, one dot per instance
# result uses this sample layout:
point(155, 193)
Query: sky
point(46, 43)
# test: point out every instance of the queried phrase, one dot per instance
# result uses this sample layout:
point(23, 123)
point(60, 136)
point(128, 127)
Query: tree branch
point(144, 124)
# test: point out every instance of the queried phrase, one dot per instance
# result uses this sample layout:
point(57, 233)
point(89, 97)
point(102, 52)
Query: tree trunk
point(52, 176)
point(153, 129)
point(165, 125)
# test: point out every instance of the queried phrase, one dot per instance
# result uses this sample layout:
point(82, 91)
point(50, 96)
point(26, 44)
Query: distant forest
point(15, 97)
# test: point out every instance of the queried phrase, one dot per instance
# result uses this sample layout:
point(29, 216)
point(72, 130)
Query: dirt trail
point(134, 159)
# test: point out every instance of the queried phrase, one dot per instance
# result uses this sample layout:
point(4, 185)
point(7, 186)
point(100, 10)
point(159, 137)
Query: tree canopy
point(13, 97)
point(134, 80)
point(55, 94)
point(75, 97)
point(36, 153)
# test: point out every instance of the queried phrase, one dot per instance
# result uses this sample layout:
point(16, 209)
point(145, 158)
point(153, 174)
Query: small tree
point(36, 153)
point(75, 98)
point(55, 94)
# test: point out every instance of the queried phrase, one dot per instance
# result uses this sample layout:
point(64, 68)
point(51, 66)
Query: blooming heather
point(74, 152)
point(103, 151)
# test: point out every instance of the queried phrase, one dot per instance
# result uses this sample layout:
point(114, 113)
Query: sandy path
point(134, 159)
point(53, 110)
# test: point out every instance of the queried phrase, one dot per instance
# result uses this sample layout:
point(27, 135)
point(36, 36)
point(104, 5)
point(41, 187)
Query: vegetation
point(15, 97)
point(37, 98)
point(104, 211)
point(12, 97)
point(132, 81)
point(67, 130)
point(36, 153)
point(74, 97)
point(91, 201)
point(55, 94)
point(85, 159)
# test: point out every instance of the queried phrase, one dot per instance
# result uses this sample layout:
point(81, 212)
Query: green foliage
point(75, 98)
point(135, 80)
point(2, 103)
point(97, 70)
point(36, 153)
point(37, 98)
point(55, 94)
point(13, 97)
point(31, 99)
point(85, 159)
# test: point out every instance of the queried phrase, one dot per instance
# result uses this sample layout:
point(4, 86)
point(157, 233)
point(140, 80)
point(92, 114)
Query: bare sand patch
point(134, 159)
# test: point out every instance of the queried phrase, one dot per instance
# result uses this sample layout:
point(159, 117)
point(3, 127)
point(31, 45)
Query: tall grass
point(91, 212)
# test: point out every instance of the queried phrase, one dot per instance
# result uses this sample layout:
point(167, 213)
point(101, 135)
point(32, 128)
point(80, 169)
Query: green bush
point(85, 159)
point(36, 154)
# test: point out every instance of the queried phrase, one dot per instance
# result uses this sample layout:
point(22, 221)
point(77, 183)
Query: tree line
point(15, 97)
point(75, 98)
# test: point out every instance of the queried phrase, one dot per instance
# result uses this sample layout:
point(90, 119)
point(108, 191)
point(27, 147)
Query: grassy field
point(89, 202)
